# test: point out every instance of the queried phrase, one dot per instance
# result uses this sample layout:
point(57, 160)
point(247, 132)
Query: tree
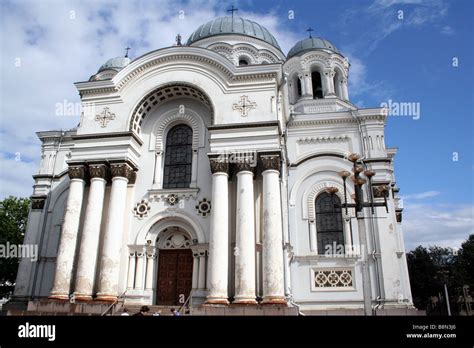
point(13, 219)
point(466, 262)
point(422, 269)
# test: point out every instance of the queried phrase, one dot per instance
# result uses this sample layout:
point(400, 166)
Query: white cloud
point(58, 43)
point(437, 224)
point(422, 195)
point(447, 30)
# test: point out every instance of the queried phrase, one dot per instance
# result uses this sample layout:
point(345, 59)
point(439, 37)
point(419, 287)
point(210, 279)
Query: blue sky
point(406, 58)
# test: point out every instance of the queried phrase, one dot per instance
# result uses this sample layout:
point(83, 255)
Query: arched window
point(317, 85)
point(329, 224)
point(337, 84)
point(178, 157)
point(243, 61)
point(298, 87)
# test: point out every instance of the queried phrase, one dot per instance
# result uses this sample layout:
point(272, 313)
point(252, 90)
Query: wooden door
point(175, 274)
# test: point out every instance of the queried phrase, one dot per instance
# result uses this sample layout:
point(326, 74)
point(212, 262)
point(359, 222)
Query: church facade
point(211, 172)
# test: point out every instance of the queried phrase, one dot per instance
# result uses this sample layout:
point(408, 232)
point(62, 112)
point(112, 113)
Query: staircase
point(163, 310)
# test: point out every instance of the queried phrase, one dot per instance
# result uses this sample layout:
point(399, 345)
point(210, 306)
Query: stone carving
point(172, 199)
point(104, 117)
point(204, 207)
point(244, 106)
point(37, 202)
point(245, 164)
point(123, 170)
point(77, 172)
point(333, 278)
point(98, 171)
point(141, 209)
point(270, 162)
point(219, 166)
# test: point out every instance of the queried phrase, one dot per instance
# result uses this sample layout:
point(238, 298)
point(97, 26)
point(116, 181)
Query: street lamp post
point(359, 205)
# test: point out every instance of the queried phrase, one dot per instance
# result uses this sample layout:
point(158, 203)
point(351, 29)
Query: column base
point(245, 301)
point(274, 300)
point(82, 297)
point(106, 298)
point(216, 301)
point(61, 297)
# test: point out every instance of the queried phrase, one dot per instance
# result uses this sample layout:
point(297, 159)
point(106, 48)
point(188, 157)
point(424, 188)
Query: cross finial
point(309, 30)
point(126, 51)
point(232, 10)
point(178, 40)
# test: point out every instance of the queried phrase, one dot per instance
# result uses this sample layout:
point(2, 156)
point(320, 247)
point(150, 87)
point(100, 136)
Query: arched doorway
point(175, 266)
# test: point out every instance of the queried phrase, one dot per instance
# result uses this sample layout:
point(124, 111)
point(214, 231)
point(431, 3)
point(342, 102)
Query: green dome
point(309, 44)
point(117, 64)
point(230, 26)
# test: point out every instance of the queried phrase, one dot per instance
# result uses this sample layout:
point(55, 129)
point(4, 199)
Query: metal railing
point(114, 303)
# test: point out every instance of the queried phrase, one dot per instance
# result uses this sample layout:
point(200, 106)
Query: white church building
point(210, 172)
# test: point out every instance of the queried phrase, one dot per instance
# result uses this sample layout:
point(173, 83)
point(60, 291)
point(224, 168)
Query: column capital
point(219, 166)
point(245, 164)
point(77, 171)
point(99, 170)
point(123, 170)
point(270, 162)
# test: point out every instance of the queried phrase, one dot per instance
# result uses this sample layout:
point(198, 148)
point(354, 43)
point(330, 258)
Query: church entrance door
point(175, 273)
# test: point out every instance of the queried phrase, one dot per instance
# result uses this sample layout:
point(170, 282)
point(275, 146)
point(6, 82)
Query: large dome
point(309, 44)
point(232, 26)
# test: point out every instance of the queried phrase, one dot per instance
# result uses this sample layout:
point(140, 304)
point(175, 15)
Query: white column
point(202, 270)
point(194, 168)
point(218, 260)
point(131, 270)
point(347, 234)
point(308, 83)
point(140, 269)
point(110, 260)
point(158, 172)
point(313, 241)
point(245, 236)
point(345, 93)
point(67, 245)
point(272, 253)
point(329, 83)
point(150, 268)
point(87, 264)
point(195, 269)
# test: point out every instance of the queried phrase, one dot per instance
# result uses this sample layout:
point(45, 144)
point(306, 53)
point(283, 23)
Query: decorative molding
point(204, 207)
point(141, 209)
point(244, 105)
point(245, 165)
point(104, 117)
point(161, 195)
point(322, 139)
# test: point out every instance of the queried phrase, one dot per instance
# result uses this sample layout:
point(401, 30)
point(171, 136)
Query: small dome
point(116, 64)
point(314, 43)
point(232, 26)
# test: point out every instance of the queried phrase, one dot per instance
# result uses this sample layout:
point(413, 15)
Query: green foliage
point(13, 219)
point(431, 268)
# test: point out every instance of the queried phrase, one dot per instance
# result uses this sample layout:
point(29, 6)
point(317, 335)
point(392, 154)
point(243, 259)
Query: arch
point(179, 218)
point(172, 118)
point(311, 195)
point(162, 94)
